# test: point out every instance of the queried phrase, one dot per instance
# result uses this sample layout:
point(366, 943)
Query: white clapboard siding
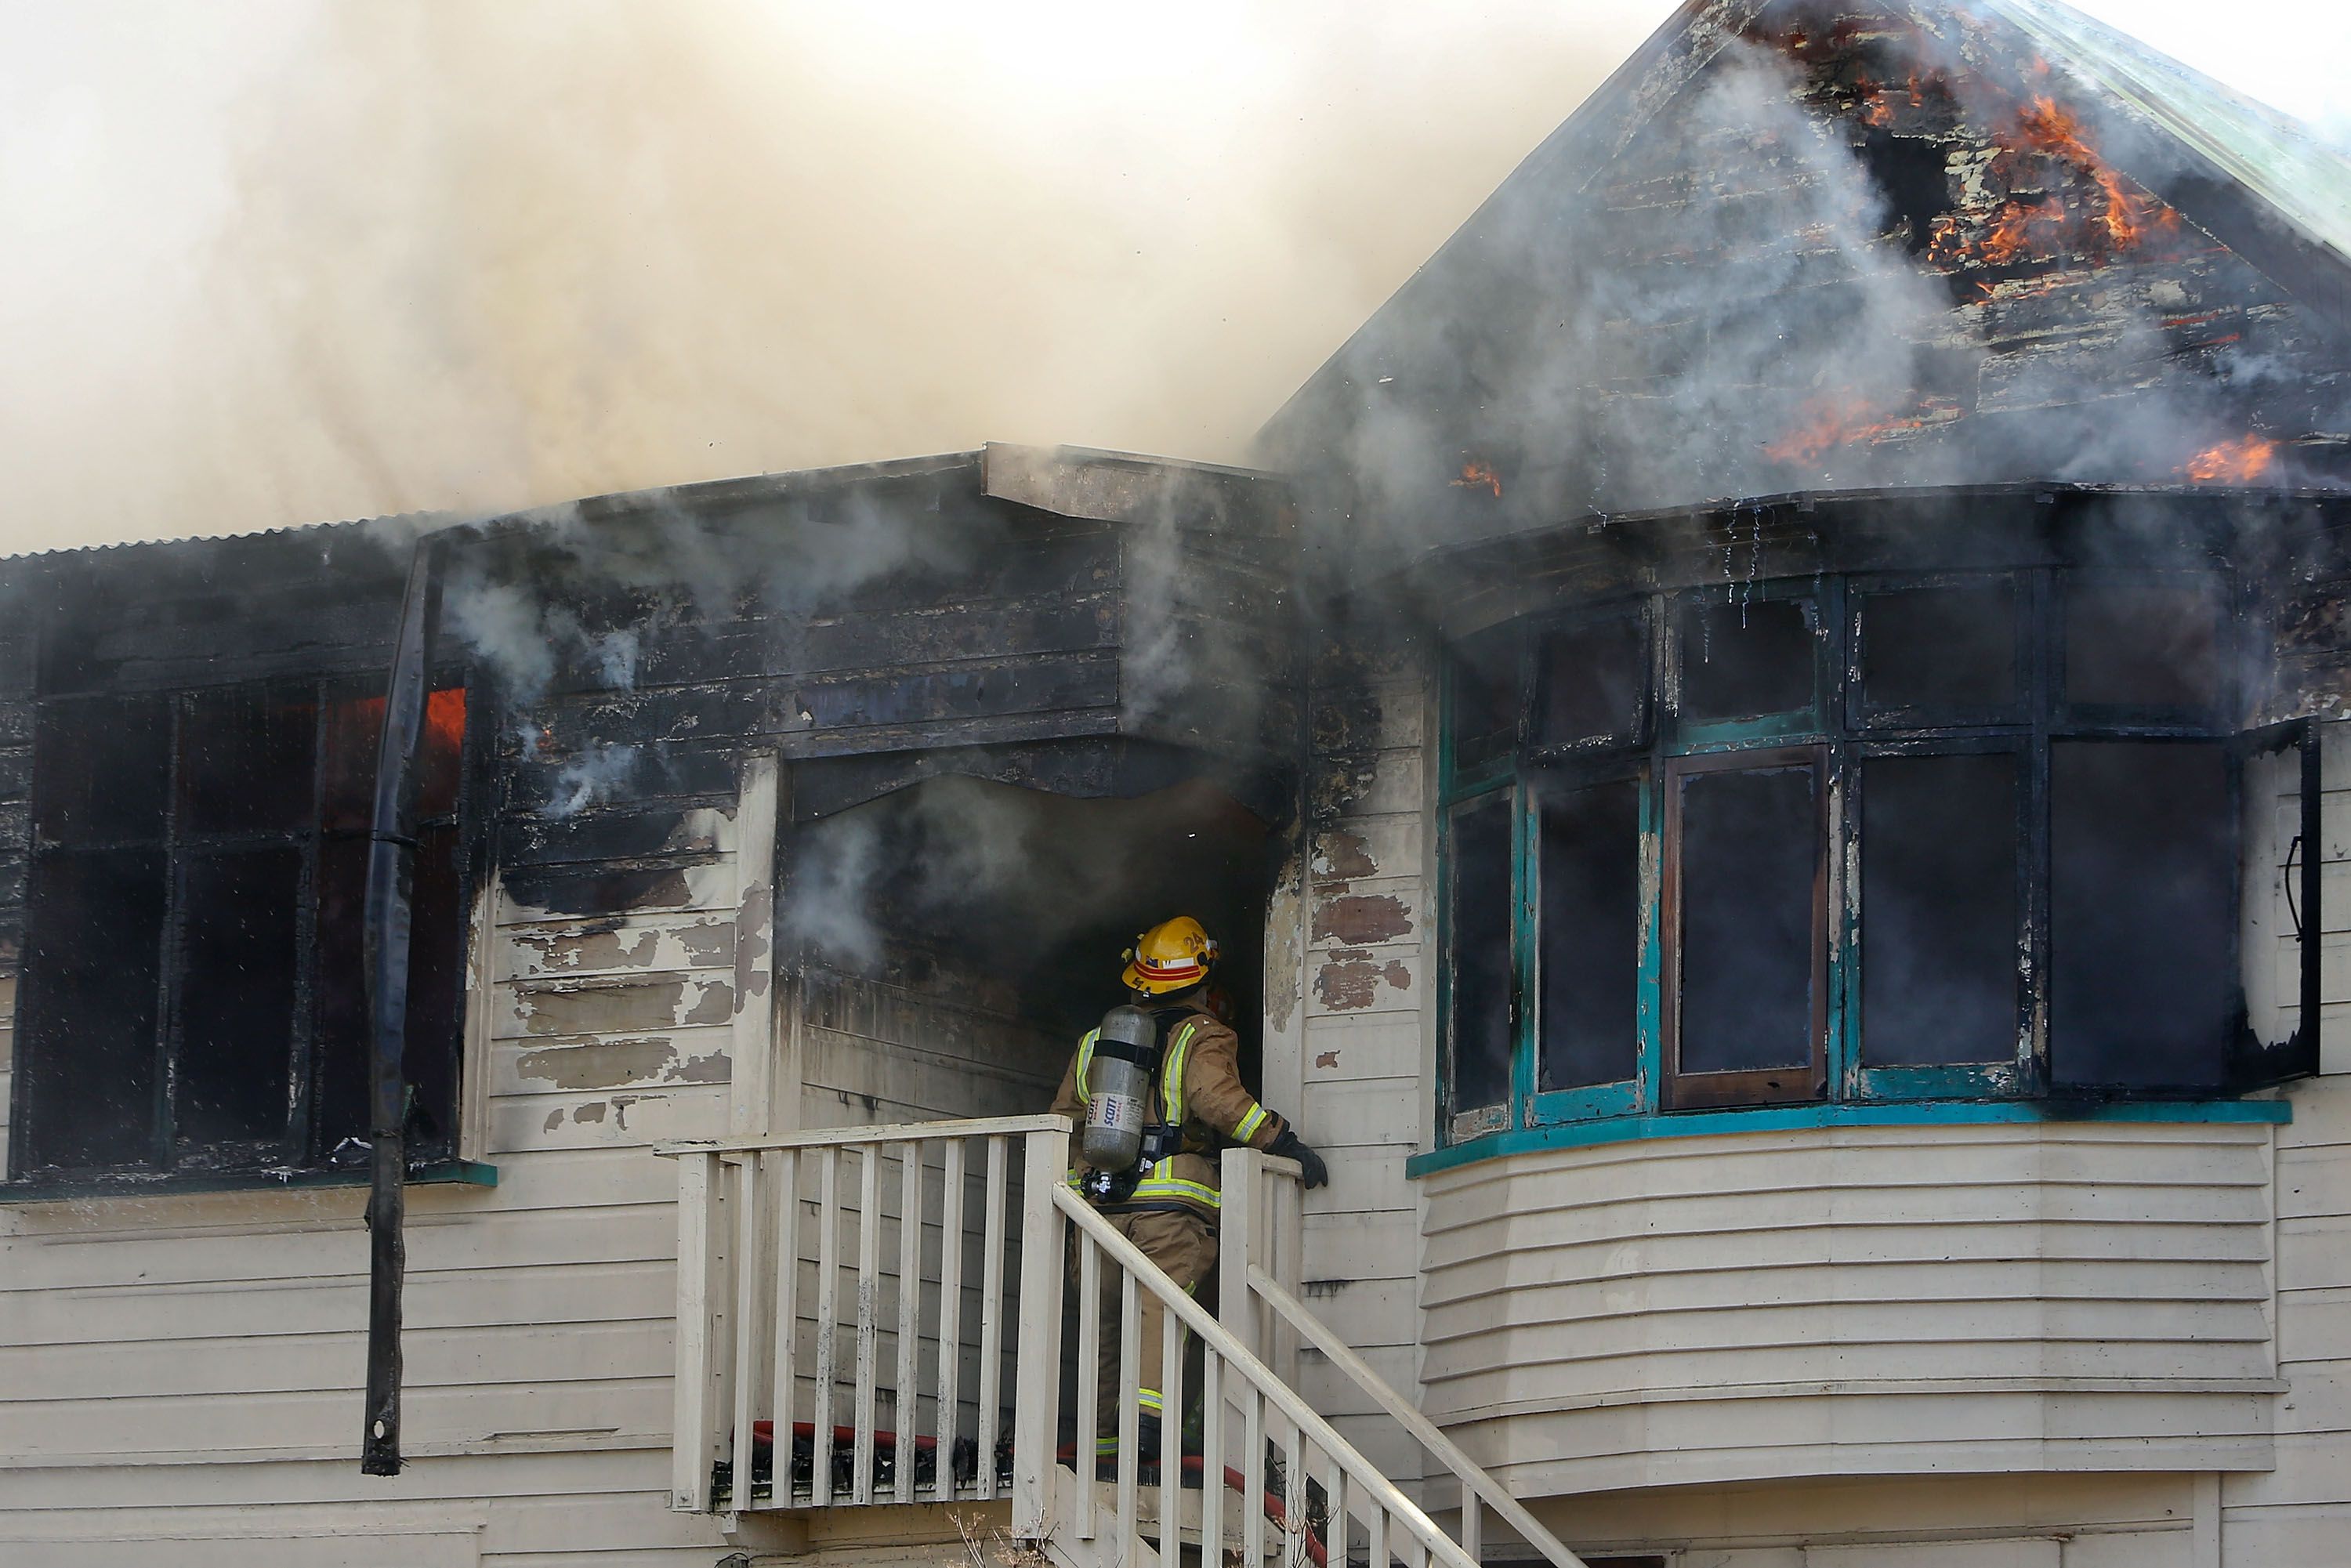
point(1556, 1347)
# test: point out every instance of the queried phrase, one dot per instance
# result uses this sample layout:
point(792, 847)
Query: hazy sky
point(285, 261)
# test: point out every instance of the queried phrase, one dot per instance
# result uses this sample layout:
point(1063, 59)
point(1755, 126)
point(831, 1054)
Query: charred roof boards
point(1806, 247)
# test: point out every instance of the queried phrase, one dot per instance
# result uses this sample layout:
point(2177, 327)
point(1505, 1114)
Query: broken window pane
point(436, 993)
point(92, 963)
point(2143, 643)
point(2270, 899)
point(101, 769)
point(1486, 695)
point(236, 1005)
point(339, 1089)
point(1744, 660)
point(1590, 935)
point(1749, 855)
point(1479, 938)
point(1595, 679)
point(1939, 838)
point(2141, 914)
point(354, 731)
point(1940, 654)
point(244, 760)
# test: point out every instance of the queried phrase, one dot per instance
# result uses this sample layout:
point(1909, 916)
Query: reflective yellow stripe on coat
point(1162, 1183)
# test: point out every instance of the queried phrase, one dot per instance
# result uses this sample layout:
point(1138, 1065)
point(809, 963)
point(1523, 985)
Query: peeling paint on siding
point(1351, 979)
point(1341, 856)
point(1362, 919)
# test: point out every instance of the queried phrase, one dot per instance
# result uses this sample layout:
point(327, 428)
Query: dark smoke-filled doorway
point(956, 937)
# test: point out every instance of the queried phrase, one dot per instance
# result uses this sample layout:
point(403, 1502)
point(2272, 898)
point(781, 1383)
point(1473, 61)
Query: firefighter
point(1166, 1203)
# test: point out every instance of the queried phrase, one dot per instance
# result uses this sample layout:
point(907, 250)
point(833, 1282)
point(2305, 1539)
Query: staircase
point(873, 1317)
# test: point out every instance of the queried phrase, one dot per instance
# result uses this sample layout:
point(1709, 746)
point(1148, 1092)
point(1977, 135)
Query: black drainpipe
point(392, 864)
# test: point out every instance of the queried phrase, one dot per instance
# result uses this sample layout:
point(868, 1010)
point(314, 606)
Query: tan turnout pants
point(1185, 1248)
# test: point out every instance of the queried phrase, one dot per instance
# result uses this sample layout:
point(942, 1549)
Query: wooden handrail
point(896, 1133)
point(1424, 1431)
point(1441, 1547)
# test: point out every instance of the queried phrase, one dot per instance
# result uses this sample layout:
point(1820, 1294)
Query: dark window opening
point(1595, 684)
point(1745, 659)
point(1940, 846)
point(1590, 934)
point(1939, 655)
point(1748, 961)
point(93, 963)
point(2055, 871)
point(2142, 913)
point(2149, 644)
point(1480, 924)
point(193, 992)
point(101, 770)
point(1484, 700)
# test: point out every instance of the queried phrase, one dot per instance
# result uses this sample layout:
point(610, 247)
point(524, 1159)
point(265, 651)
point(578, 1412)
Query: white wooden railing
point(875, 1315)
point(844, 1295)
point(1257, 1302)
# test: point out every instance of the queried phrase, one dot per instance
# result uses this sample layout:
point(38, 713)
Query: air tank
point(1118, 1089)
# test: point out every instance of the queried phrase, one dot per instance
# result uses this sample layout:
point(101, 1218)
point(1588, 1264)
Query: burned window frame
point(299, 1156)
point(1846, 731)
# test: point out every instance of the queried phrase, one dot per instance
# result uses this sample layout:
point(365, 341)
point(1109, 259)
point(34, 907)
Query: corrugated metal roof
point(2271, 154)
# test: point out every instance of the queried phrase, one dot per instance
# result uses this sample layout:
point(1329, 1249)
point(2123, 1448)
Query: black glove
point(1289, 1146)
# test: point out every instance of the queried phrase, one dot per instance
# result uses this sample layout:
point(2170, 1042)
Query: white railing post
point(1237, 1245)
point(690, 1409)
point(1036, 1412)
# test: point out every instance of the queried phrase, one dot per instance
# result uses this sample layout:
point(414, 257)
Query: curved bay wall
point(1855, 1301)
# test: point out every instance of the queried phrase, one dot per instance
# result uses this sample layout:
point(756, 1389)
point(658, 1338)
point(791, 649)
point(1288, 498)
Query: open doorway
point(955, 938)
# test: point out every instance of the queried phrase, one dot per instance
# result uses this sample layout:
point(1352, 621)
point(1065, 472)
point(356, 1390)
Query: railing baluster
point(1171, 1441)
point(784, 1171)
point(1293, 1479)
point(1130, 1376)
point(1375, 1529)
point(1212, 1458)
point(749, 1280)
point(1089, 1423)
point(1036, 1388)
point(1334, 1503)
point(1253, 1473)
point(690, 1414)
point(1473, 1524)
point(827, 1317)
point(991, 1314)
point(950, 1410)
point(869, 1320)
point(908, 1401)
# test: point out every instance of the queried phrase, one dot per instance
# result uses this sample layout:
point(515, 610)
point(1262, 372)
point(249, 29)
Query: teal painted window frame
point(1855, 1092)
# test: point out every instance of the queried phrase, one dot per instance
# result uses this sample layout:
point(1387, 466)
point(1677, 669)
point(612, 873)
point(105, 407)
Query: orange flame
point(2049, 129)
point(1878, 111)
point(1832, 421)
point(2236, 462)
point(2020, 228)
point(1478, 473)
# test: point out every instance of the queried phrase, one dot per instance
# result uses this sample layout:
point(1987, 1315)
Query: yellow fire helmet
point(1169, 956)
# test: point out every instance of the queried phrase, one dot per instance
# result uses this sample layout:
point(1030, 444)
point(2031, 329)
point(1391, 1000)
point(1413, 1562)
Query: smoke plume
point(288, 261)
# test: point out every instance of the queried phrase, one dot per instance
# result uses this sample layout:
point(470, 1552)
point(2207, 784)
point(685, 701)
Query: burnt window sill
point(82, 1189)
